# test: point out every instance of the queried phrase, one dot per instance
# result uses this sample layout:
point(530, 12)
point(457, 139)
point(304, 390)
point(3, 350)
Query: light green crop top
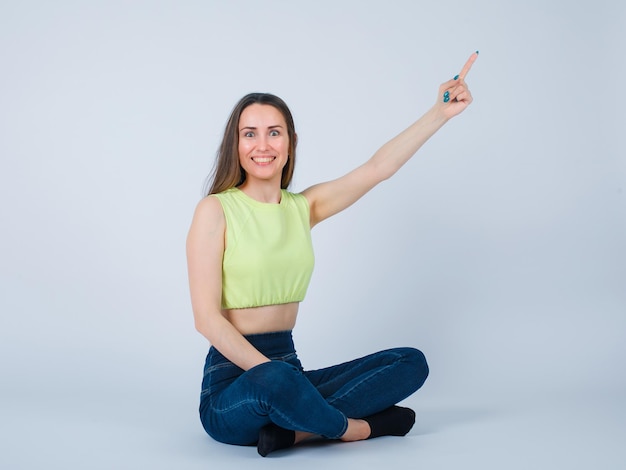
point(269, 254)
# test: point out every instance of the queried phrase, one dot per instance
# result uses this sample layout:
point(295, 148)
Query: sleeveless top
point(268, 258)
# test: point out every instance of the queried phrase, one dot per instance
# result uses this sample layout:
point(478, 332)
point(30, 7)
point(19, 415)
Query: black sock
point(272, 437)
point(394, 421)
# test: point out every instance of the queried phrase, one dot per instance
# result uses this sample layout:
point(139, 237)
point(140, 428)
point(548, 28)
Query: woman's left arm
point(327, 199)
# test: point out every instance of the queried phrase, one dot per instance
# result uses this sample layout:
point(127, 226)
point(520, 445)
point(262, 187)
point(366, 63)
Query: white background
point(499, 250)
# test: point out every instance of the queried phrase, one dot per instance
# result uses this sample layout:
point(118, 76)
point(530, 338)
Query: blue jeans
point(235, 404)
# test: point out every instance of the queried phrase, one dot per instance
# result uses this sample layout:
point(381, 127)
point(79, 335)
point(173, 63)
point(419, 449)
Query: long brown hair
point(227, 172)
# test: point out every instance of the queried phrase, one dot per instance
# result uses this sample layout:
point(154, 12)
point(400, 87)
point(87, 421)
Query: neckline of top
point(254, 202)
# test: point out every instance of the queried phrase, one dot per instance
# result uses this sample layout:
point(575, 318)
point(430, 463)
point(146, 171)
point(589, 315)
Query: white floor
point(117, 432)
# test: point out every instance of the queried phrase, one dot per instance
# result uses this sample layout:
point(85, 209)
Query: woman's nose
point(262, 142)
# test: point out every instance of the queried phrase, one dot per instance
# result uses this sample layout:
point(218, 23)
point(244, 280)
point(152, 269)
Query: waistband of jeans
point(275, 343)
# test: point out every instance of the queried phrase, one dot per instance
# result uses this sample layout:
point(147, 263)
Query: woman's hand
point(454, 95)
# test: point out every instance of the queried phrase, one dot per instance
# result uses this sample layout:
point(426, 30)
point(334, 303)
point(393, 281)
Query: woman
point(250, 261)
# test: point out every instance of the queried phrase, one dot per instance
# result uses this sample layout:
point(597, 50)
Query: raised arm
point(329, 198)
point(205, 251)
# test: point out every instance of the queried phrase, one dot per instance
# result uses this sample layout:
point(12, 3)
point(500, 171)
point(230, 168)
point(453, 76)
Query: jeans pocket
point(218, 377)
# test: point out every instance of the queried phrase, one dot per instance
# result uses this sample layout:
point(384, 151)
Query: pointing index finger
point(468, 65)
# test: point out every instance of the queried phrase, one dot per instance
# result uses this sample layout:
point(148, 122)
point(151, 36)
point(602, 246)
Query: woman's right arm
point(205, 251)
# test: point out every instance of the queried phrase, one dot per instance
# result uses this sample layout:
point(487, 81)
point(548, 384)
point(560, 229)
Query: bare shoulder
point(328, 198)
point(209, 207)
point(208, 217)
point(309, 193)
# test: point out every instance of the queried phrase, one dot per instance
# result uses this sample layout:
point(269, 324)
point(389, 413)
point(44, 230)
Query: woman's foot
point(394, 421)
point(272, 437)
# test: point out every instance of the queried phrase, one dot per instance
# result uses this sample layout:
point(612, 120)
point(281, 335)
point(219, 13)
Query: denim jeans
point(235, 404)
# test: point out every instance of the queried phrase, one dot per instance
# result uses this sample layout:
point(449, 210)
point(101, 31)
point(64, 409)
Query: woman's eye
point(274, 133)
point(249, 134)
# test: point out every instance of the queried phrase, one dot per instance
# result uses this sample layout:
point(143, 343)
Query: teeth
point(263, 159)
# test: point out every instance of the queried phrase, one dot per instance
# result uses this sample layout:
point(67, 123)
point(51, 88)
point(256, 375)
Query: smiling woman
point(263, 146)
point(250, 259)
point(228, 171)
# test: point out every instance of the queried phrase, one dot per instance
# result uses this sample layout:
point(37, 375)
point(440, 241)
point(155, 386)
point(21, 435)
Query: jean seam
point(218, 366)
point(347, 392)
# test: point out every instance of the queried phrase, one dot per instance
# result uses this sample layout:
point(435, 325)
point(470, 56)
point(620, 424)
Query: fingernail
point(446, 98)
point(476, 52)
point(456, 77)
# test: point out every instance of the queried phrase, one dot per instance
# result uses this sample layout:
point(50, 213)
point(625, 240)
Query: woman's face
point(263, 142)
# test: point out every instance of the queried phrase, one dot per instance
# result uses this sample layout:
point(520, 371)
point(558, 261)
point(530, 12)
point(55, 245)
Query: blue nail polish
point(446, 98)
point(476, 52)
point(456, 77)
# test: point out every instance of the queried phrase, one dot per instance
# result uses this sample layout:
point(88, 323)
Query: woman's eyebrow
point(255, 128)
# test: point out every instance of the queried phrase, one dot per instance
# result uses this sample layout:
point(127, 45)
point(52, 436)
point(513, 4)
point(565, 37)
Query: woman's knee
point(418, 365)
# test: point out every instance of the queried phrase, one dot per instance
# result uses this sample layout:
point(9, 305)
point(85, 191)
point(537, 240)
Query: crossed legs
point(349, 401)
